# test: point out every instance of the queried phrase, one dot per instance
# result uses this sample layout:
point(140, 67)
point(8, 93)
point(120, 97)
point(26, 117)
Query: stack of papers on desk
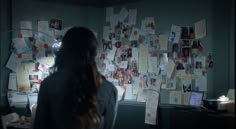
point(18, 100)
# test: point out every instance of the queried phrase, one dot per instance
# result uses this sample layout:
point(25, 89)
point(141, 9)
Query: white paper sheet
point(12, 81)
point(155, 83)
point(111, 53)
point(148, 25)
point(135, 53)
point(163, 41)
point(12, 62)
point(200, 29)
point(26, 28)
point(200, 81)
point(134, 34)
point(43, 26)
point(152, 64)
point(132, 16)
point(19, 97)
point(20, 45)
point(143, 58)
point(129, 92)
point(124, 64)
point(109, 13)
point(123, 14)
point(174, 35)
point(22, 79)
point(152, 102)
point(175, 97)
point(170, 67)
point(141, 95)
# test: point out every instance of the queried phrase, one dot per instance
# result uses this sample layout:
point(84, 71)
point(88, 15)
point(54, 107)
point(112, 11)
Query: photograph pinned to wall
point(163, 42)
point(174, 35)
point(134, 43)
point(187, 32)
point(148, 25)
point(126, 32)
point(153, 43)
point(186, 49)
point(55, 24)
point(186, 85)
point(134, 68)
point(210, 60)
point(154, 82)
point(175, 50)
point(170, 84)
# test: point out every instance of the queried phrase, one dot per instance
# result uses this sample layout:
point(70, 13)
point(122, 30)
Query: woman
point(76, 96)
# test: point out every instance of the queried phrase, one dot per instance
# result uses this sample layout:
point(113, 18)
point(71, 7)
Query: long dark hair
point(77, 55)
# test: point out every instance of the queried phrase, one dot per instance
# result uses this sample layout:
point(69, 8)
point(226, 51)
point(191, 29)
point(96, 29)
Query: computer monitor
point(196, 98)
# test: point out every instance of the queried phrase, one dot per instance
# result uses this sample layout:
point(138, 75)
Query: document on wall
point(26, 28)
point(106, 31)
point(186, 98)
point(200, 29)
point(170, 67)
point(134, 34)
point(152, 64)
point(135, 52)
point(128, 92)
point(174, 35)
point(12, 81)
point(20, 45)
point(109, 13)
point(43, 26)
point(123, 14)
point(132, 16)
point(124, 64)
point(148, 25)
point(175, 97)
point(23, 82)
point(111, 54)
point(163, 41)
point(12, 62)
point(200, 81)
point(152, 102)
point(143, 58)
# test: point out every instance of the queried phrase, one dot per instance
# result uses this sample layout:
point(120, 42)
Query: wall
point(220, 33)
point(182, 13)
point(33, 11)
point(5, 25)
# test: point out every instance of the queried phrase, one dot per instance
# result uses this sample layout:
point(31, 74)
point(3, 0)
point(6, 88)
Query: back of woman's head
point(77, 55)
point(78, 48)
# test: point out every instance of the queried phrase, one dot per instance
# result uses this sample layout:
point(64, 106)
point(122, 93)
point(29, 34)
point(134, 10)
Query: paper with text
point(12, 81)
point(151, 112)
point(12, 62)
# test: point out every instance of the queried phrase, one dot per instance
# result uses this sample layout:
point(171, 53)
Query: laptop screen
point(196, 98)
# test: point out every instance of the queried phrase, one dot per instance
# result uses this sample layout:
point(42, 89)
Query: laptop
point(195, 101)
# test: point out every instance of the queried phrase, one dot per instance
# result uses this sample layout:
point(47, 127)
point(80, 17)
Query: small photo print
point(55, 24)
